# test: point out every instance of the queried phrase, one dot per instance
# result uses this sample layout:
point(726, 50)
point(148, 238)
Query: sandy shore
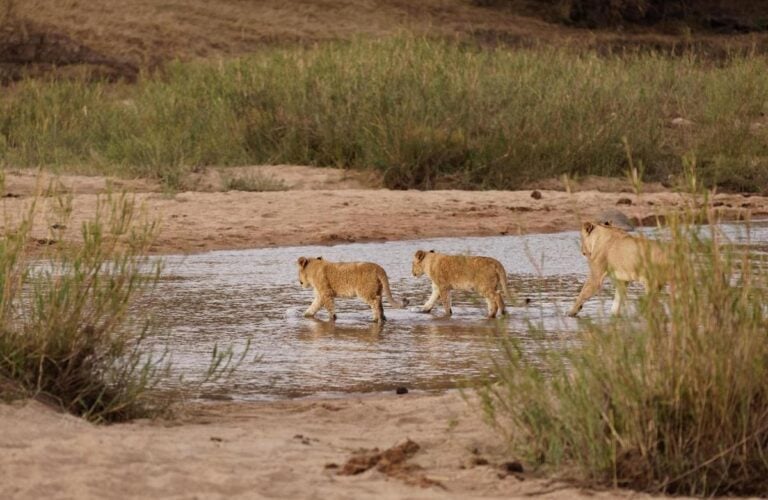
point(327, 206)
point(294, 449)
point(290, 449)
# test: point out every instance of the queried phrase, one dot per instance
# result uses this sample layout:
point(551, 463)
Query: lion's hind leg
point(445, 296)
point(377, 308)
point(618, 297)
point(500, 303)
point(330, 307)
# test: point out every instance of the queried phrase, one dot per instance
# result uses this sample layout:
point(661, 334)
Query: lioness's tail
point(386, 291)
point(503, 280)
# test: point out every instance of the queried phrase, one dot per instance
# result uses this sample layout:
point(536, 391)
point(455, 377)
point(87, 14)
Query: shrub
point(67, 327)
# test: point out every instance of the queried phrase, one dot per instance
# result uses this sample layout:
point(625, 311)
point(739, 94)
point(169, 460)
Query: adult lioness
point(345, 279)
point(461, 272)
point(611, 251)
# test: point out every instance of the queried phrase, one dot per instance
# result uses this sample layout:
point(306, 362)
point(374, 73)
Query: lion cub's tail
point(385, 287)
point(503, 280)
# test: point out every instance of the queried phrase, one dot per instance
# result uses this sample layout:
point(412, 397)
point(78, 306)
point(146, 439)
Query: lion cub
point(610, 250)
point(461, 272)
point(345, 279)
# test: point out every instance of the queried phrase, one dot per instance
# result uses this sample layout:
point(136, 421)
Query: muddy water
point(232, 297)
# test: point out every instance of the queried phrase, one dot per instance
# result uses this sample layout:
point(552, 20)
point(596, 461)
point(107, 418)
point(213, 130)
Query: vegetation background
point(442, 93)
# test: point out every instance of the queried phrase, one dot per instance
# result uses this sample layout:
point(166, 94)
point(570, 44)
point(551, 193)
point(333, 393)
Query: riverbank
point(329, 206)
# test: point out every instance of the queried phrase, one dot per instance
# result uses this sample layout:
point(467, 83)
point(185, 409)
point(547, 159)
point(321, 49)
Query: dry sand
point(266, 450)
point(282, 449)
point(327, 206)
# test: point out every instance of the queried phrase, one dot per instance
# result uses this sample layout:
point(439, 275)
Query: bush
point(67, 329)
point(670, 398)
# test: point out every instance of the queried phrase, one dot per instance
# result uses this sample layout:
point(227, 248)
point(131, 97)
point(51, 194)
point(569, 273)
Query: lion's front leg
point(590, 288)
point(314, 307)
point(430, 303)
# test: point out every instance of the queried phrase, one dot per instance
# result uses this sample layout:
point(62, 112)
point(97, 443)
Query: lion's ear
point(302, 262)
point(420, 255)
point(588, 227)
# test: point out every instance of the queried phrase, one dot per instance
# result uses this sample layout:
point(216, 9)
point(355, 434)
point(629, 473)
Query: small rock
point(536, 194)
point(681, 122)
point(513, 466)
point(401, 390)
point(624, 201)
point(215, 397)
point(615, 218)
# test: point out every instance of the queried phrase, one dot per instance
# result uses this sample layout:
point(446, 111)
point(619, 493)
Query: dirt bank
point(291, 449)
point(326, 206)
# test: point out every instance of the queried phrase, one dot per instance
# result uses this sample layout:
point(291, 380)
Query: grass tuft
point(65, 329)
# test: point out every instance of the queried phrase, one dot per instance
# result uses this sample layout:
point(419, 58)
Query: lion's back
point(353, 278)
point(466, 272)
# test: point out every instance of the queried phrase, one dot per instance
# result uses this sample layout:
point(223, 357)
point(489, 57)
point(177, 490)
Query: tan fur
point(612, 251)
point(483, 275)
point(365, 280)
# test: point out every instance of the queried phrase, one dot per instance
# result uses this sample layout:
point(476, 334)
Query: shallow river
point(228, 298)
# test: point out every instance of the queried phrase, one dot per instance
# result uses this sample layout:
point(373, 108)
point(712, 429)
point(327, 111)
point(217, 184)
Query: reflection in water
point(229, 298)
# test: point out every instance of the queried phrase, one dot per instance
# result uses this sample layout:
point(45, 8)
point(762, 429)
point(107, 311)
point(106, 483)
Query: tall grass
point(65, 328)
point(424, 113)
point(672, 397)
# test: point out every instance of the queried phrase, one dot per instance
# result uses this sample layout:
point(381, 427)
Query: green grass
point(671, 398)
point(423, 113)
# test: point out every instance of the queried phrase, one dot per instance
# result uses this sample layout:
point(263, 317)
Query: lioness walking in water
point(611, 251)
point(365, 280)
point(483, 275)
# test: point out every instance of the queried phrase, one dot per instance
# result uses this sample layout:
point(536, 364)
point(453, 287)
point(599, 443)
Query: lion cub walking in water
point(365, 280)
point(610, 250)
point(483, 275)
